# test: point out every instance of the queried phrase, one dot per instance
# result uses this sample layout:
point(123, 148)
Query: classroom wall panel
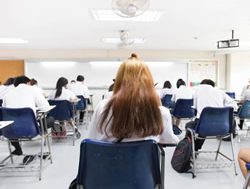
point(10, 68)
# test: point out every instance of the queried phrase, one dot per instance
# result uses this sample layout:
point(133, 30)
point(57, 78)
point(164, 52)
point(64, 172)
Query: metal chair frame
point(20, 116)
point(209, 117)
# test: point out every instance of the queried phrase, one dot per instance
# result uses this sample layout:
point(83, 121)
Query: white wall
point(238, 71)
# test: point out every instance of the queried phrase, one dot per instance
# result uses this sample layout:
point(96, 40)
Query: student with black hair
point(206, 95)
point(182, 92)
point(78, 88)
point(166, 89)
point(23, 95)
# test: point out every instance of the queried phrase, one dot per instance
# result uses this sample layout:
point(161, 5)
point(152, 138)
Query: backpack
point(181, 160)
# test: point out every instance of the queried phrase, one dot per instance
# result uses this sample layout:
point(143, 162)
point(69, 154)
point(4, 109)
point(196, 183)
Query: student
point(243, 158)
point(24, 96)
point(245, 95)
point(79, 88)
point(33, 82)
point(182, 92)
point(62, 92)
point(133, 112)
point(6, 87)
point(206, 95)
point(167, 89)
point(110, 91)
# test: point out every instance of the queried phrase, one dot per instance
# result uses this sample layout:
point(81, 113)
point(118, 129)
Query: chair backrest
point(25, 123)
point(183, 109)
point(133, 165)
point(63, 110)
point(81, 104)
point(244, 112)
point(215, 121)
point(231, 94)
point(167, 101)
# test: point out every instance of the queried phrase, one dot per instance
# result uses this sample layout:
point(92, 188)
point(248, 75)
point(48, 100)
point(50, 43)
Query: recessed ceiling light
point(118, 40)
point(12, 41)
point(109, 15)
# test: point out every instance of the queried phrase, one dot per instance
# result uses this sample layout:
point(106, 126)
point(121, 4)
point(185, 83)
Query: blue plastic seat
point(184, 109)
point(81, 107)
point(125, 165)
point(214, 123)
point(63, 112)
point(24, 128)
point(231, 94)
point(167, 101)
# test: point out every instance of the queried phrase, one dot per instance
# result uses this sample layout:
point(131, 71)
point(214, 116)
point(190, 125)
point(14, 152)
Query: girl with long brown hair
point(134, 111)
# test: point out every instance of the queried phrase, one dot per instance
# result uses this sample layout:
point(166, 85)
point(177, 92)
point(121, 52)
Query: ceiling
point(68, 24)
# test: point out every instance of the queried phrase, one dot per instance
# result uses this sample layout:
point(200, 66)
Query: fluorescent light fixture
point(109, 15)
point(12, 41)
point(105, 64)
point(159, 64)
point(58, 64)
point(118, 40)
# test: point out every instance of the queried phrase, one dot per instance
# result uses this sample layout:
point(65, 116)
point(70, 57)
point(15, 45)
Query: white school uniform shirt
point(208, 96)
point(5, 89)
point(94, 132)
point(24, 96)
point(65, 95)
point(182, 92)
point(165, 91)
point(245, 94)
point(78, 88)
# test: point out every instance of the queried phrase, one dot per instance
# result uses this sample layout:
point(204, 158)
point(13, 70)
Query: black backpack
point(181, 160)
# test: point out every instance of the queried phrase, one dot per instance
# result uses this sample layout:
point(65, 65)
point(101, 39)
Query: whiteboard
point(200, 70)
point(100, 74)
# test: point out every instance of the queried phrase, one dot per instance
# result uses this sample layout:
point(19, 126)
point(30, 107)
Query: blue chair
point(167, 101)
point(63, 113)
point(231, 94)
point(125, 165)
point(25, 128)
point(184, 109)
point(247, 181)
point(81, 108)
point(244, 114)
point(214, 123)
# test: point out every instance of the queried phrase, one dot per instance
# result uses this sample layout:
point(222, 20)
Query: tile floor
point(65, 163)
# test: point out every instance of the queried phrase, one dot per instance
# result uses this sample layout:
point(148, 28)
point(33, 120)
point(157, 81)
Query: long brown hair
point(134, 105)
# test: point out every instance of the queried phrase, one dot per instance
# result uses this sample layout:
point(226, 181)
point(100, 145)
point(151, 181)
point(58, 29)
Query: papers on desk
point(5, 124)
point(46, 109)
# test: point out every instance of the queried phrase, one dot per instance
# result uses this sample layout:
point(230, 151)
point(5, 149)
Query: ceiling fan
point(125, 41)
point(130, 8)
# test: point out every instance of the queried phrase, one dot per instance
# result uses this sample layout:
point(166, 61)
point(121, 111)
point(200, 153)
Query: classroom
point(63, 44)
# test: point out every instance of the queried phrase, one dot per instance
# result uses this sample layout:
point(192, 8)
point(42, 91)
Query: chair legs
point(233, 155)
point(194, 153)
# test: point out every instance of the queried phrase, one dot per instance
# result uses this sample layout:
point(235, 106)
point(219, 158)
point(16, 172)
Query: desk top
point(5, 124)
point(46, 109)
